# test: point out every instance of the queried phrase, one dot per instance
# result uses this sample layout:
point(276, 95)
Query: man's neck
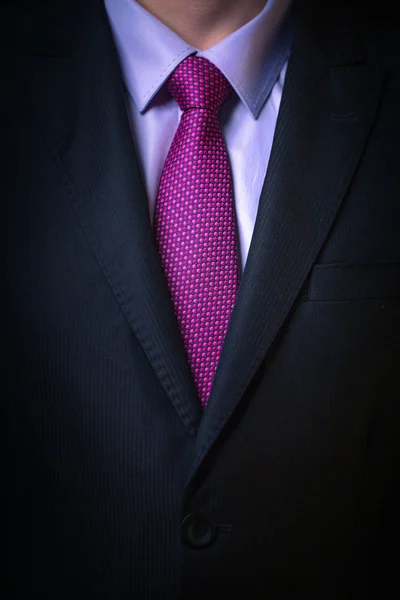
point(204, 23)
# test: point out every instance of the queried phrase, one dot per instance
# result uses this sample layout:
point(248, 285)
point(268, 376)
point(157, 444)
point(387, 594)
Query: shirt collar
point(251, 58)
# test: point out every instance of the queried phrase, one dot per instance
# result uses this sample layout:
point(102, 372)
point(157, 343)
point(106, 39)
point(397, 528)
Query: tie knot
point(197, 83)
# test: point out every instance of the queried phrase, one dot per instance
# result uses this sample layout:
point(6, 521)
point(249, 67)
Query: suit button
point(197, 531)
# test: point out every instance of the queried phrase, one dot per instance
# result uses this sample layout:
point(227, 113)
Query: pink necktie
point(194, 223)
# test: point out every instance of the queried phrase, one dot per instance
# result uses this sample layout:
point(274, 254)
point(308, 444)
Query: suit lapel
point(80, 103)
point(328, 106)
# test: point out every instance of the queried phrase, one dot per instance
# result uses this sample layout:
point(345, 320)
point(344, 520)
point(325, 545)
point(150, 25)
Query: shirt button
point(198, 531)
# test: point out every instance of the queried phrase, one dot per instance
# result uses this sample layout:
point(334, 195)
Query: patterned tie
point(194, 223)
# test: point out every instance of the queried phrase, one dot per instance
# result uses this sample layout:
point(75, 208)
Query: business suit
point(294, 465)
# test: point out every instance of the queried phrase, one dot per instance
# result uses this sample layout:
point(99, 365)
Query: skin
point(203, 23)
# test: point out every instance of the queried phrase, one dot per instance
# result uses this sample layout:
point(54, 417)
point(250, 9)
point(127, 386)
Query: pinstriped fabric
point(194, 223)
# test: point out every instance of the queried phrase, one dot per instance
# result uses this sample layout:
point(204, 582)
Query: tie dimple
point(194, 221)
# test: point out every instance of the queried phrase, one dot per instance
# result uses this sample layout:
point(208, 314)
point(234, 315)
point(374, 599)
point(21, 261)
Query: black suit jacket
point(117, 486)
